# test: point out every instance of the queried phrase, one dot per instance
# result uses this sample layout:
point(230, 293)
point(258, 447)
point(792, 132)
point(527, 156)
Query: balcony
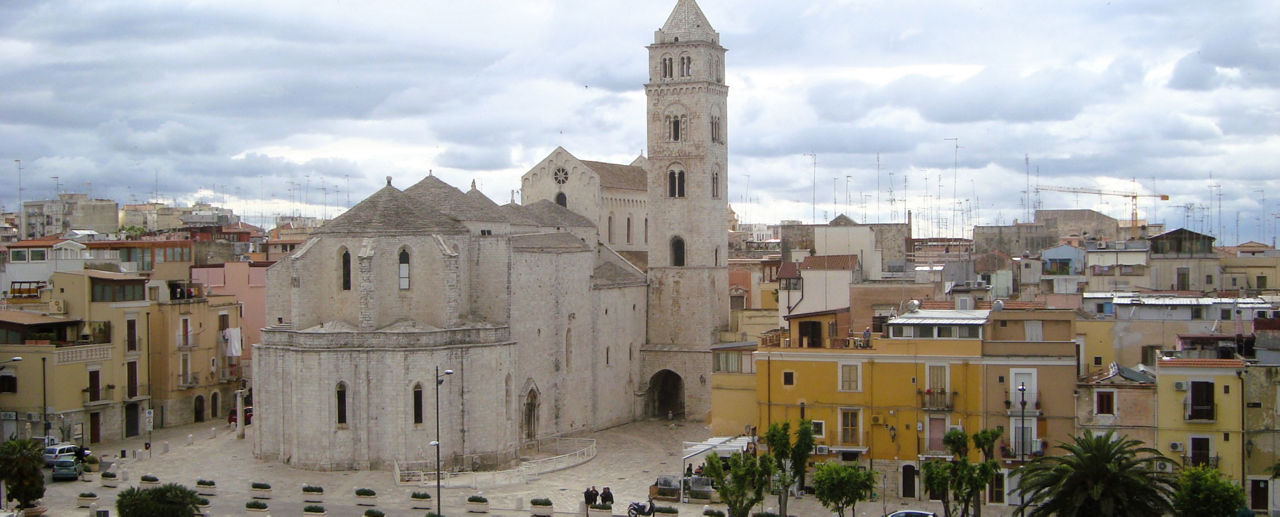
point(137, 391)
point(94, 397)
point(1196, 459)
point(936, 400)
point(1200, 411)
point(188, 380)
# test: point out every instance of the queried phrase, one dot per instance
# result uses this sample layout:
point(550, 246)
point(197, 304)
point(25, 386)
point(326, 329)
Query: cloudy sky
point(295, 107)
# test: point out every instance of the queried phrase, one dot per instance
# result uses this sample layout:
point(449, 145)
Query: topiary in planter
point(311, 489)
point(541, 501)
point(256, 505)
point(150, 478)
point(666, 510)
point(108, 475)
point(257, 485)
point(477, 499)
point(373, 513)
point(602, 506)
point(313, 508)
point(420, 495)
point(200, 501)
point(712, 513)
point(365, 492)
point(205, 482)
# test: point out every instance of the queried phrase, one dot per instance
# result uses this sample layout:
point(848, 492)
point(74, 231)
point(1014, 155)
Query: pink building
point(247, 281)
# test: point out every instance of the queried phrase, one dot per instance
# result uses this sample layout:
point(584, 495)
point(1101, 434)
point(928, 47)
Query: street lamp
point(1022, 422)
point(436, 443)
point(12, 360)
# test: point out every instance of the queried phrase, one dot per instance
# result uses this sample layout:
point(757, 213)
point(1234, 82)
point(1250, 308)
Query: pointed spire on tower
point(688, 22)
point(473, 184)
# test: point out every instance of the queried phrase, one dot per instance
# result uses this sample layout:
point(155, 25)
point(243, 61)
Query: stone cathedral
point(592, 303)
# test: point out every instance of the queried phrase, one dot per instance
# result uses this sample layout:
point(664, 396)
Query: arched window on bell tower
point(677, 252)
point(675, 183)
point(562, 200)
point(715, 185)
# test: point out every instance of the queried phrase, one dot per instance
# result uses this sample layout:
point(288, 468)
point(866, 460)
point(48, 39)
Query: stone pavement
point(628, 460)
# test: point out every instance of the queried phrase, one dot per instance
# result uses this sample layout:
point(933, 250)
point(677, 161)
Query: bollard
point(124, 476)
point(93, 509)
point(213, 432)
point(165, 449)
point(189, 439)
point(137, 454)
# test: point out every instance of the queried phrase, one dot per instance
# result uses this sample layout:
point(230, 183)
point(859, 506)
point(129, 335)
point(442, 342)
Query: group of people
point(590, 495)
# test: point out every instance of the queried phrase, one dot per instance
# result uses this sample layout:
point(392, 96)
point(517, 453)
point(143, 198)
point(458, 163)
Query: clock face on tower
point(561, 175)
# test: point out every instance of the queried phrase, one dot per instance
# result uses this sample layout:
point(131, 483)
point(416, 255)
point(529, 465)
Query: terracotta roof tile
point(1202, 363)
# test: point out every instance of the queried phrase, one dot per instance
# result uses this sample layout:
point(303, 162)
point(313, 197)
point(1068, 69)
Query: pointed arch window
point(346, 270)
point(341, 393)
point(404, 269)
point(715, 185)
point(675, 183)
point(677, 252)
point(417, 403)
point(610, 228)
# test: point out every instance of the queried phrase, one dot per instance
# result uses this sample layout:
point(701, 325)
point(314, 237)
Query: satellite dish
point(997, 305)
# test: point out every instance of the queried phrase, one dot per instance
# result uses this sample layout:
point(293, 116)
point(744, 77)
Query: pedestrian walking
point(590, 496)
point(606, 497)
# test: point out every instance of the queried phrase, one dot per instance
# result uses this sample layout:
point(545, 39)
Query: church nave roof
point(390, 211)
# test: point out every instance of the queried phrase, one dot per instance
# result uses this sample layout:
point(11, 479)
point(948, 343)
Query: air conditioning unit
point(1102, 245)
point(822, 449)
point(876, 420)
point(1175, 446)
point(955, 428)
point(57, 307)
point(1180, 385)
point(1163, 466)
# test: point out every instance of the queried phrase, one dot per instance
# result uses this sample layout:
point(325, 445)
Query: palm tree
point(1099, 476)
point(21, 464)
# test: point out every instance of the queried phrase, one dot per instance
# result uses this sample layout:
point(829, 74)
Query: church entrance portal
point(666, 395)
point(529, 423)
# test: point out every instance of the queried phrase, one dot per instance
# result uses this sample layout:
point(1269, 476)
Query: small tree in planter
point(91, 463)
point(477, 504)
point(312, 494)
point(420, 500)
point(712, 513)
point(149, 480)
point(540, 507)
point(206, 487)
point(202, 504)
point(373, 513)
point(313, 509)
point(666, 510)
point(260, 490)
point(85, 499)
point(366, 497)
point(600, 510)
point(255, 506)
point(109, 480)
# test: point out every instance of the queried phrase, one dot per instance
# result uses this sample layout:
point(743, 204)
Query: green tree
point(1203, 492)
point(839, 486)
point(21, 468)
point(801, 449)
point(132, 232)
point(778, 438)
point(1099, 475)
point(168, 500)
point(742, 485)
point(959, 483)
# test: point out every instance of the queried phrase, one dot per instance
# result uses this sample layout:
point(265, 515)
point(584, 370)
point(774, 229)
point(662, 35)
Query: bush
point(540, 501)
point(365, 492)
point(91, 459)
point(764, 514)
point(108, 475)
point(313, 508)
point(666, 509)
point(373, 513)
point(149, 477)
point(88, 494)
point(477, 499)
point(601, 506)
point(202, 501)
point(256, 505)
point(312, 489)
point(420, 495)
point(713, 513)
point(260, 485)
point(205, 482)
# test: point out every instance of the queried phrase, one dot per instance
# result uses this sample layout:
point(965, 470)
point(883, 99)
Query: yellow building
point(193, 378)
point(1199, 413)
point(733, 389)
point(888, 404)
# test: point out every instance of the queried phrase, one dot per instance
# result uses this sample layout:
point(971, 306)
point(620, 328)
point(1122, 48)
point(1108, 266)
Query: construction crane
point(1133, 200)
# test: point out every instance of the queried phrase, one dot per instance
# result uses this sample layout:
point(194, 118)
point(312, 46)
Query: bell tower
point(687, 204)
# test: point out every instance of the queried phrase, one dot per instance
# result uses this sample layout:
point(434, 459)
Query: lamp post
point(436, 443)
point(11, 360)
point(1022, 429)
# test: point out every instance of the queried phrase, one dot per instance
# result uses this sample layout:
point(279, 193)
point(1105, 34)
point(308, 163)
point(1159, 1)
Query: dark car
point(248, 416)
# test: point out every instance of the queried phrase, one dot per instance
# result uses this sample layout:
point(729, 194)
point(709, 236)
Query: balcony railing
point(936, 400)
point(1198, 460)
point(849, 436)
point(1205, 411)
point(188, 380)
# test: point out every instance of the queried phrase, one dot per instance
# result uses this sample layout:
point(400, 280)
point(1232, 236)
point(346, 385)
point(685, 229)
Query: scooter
point(636, 509)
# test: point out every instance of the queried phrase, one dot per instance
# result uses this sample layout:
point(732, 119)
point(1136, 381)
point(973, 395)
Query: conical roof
point(688, 22)
point(391, 212)
point(441, 196)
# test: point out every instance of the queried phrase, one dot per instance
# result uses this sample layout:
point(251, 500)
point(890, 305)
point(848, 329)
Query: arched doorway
point(666, 395)
point(198, 408)
point(213, 405)
point(529, 422)
point(908, 487)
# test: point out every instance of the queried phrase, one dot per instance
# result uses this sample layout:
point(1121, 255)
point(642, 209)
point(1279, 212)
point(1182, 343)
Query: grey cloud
point(166, 137)
point(1192, 73)
point(475, 158)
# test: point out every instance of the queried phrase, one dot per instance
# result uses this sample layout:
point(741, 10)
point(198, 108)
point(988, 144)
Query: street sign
point(148, 421)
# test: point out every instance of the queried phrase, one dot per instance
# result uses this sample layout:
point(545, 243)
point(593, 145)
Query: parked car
point(67, 469)
point(912, 513)
point(248, 416)
point(60, 451)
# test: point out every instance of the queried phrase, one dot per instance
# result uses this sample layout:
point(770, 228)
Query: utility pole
point(955, 165)
point(813, 218)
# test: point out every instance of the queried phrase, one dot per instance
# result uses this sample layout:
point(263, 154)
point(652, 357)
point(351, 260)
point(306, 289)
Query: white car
point(912, 513)
point(60, 451)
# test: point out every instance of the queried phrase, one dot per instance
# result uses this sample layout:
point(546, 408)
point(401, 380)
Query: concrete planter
point(366, 500)
point(313, 497)
point(477, 507)
point(109, 482)
point(592, 512)
point(260, 493)
point(148, 484)
point(420, 504)
point(255, 510)
point(203, 508)
point(541, 511)
point(206, 490)
point(304, 512)
point(85, 502)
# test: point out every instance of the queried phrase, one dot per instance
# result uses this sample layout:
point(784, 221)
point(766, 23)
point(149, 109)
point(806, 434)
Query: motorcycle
point(638, 509)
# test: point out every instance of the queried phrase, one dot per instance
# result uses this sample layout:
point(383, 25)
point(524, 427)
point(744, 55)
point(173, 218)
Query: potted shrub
point(313, 509)
point(420, 500)
point(108, 479)
point(764, 514)
point(260, 490)
point(477, 504)
point(700, 496)
point(666, 510)
point(366, 497)
point(91, 463)
point(85, 499)
point(206, 487)
point(312, 494)
point(600, 510)
point(149, 480)
point(255, 506)
point(373, 513)
point(711, 512)
point(202, 504)
point(540, 507)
